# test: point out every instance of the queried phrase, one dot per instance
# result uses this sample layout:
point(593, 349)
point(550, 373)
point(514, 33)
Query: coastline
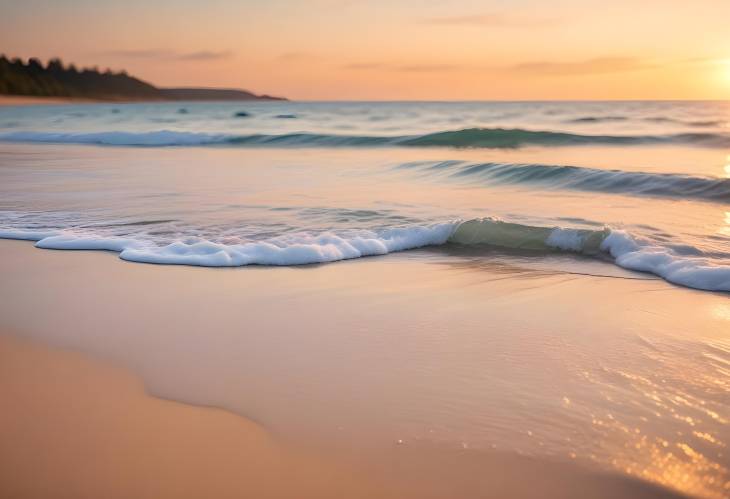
point(28, 100)
point(205, 445)
point(79, 428)
point(76, 427)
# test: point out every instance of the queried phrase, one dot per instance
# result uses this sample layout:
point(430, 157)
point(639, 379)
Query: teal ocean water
point(642, 184)
point(543, 279)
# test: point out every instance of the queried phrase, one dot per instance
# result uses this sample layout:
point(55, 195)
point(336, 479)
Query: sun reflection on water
point(680, 441)
point(725, 229)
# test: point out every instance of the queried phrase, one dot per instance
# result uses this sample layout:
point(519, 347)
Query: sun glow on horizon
point(392, 50)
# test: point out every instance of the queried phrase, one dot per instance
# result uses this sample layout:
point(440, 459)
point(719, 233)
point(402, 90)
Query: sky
point(392, 49)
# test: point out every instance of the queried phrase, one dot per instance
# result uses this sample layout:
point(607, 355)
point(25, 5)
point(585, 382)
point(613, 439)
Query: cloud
point(206, 55)
point(296, 57)
point(493, 20)
point(402, 68)
point(169, 55)
point(137, 54)
point(365, 65)
point(598, 65)
point(426, 68)
point(705, 61)
point(591, 66)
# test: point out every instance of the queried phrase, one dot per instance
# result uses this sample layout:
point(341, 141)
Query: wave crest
point(692, 269)
point(466, 138)
point(585, 179)
point(495, 232)
point(628, 251)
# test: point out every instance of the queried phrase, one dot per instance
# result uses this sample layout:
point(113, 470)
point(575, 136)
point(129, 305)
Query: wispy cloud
point(169, 55)
point(590, 66)
point(494, 19)
point(402, 68)
point(598, 65)
point(365, 65)
point(426, 68)
point(206, 55)
point(705, 60)
point(137, 54)
point(296, 57)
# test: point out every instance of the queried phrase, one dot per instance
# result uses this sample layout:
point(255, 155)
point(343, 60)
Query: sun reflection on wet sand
point(679, 438)
point(721, 311)
point(673, 463)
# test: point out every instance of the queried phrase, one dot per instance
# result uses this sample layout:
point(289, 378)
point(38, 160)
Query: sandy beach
point(76, 428)
point(364, 250)
point(92, 424)
point(387, 305)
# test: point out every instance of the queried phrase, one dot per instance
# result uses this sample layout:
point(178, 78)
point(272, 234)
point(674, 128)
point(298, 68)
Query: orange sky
point(396, 49)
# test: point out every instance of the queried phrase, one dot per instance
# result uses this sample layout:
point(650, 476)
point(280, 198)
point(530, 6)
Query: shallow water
point(642, 184)
point(521, 306)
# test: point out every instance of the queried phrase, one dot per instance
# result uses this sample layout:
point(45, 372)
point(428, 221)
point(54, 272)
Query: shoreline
point(78, 427)
point(29, 100)
point(153, 344)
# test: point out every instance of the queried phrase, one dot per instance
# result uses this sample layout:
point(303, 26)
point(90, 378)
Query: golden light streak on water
point(676, 465)
point(721, 311)
point(725, 229)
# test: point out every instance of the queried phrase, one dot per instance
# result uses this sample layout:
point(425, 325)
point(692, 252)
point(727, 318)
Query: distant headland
point(33, 79)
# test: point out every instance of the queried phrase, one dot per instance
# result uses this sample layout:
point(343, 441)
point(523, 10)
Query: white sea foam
point(297, 249)
point(294, 249)
point(26, 235)
point(627, 251)
point(640, 255)
point(566, 239)
point(75, 242)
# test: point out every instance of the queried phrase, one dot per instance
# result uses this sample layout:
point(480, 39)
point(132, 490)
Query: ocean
point(641, 184)
point(536, 279)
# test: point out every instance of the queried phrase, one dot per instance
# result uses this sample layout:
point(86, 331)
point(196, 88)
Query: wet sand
point(77, 428)
point(72, 427)
point(79, 423)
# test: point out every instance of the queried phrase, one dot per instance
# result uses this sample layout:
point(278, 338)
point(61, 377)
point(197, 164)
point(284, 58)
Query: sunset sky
point(393, 49)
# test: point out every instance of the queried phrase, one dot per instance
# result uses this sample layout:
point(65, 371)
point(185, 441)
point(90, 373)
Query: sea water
point(644, 184)
point(545, 279)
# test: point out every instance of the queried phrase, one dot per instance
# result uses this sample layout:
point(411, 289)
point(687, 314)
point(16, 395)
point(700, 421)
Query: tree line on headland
point(55, 79)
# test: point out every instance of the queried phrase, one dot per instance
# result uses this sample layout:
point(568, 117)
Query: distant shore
point(29, 100)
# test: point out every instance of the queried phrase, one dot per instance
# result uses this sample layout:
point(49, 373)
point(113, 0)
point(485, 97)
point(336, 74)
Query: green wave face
point(493, 232)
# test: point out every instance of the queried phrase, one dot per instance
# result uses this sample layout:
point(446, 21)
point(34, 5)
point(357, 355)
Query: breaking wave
point(687, 268)
point(651, 119)
point(670, 185)
point(466, 138)
point(597, 119)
